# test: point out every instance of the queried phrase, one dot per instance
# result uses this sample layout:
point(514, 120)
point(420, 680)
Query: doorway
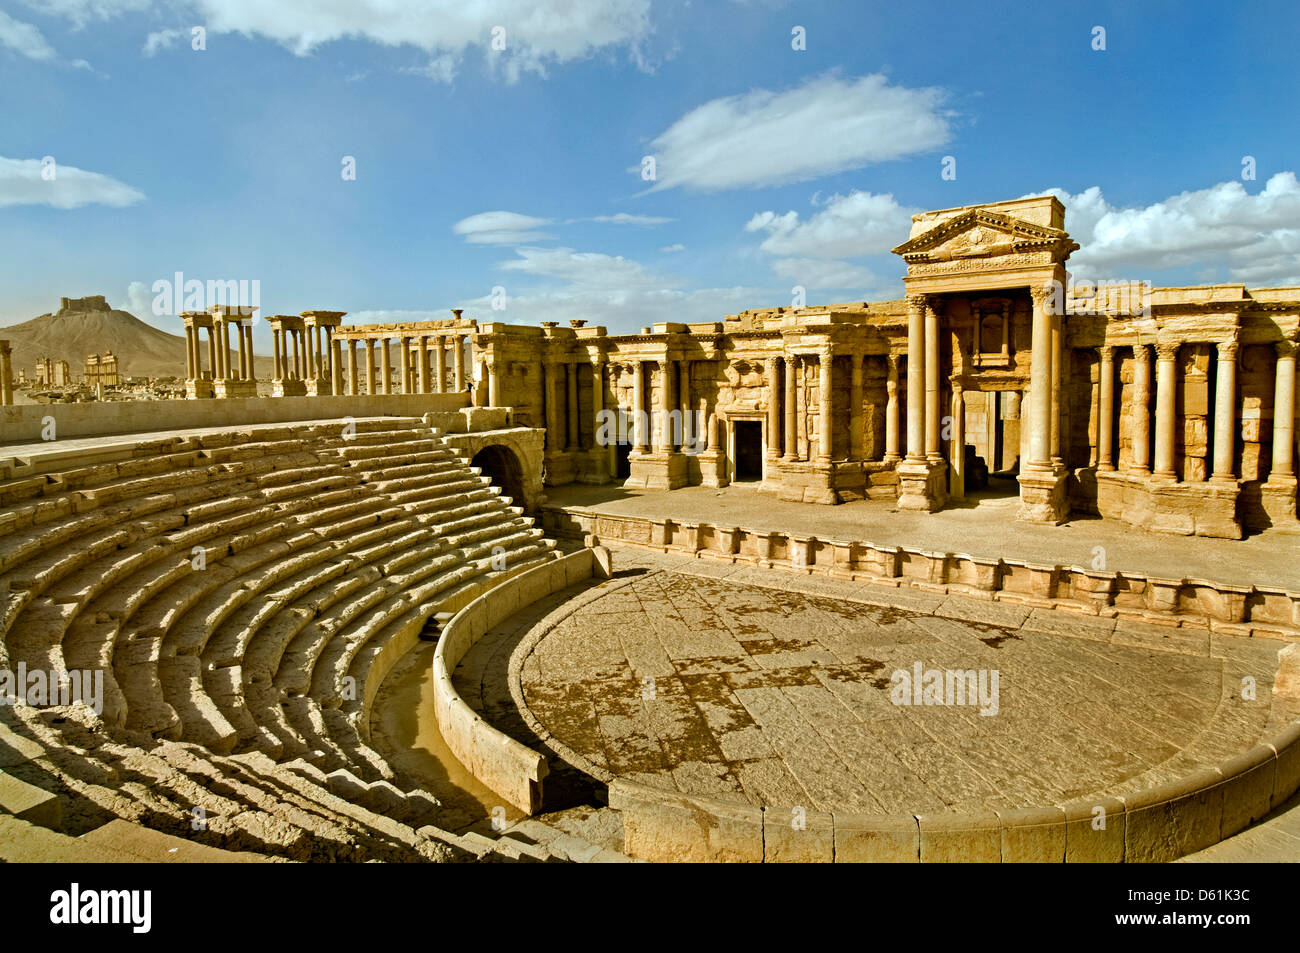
point(749, 451)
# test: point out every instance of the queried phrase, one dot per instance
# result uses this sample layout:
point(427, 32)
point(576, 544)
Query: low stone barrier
point(1226, 609)
point(1156, 825)
point(509, 768)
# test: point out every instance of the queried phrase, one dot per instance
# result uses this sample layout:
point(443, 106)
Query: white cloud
point(501, 228)
point(21, 183)
point(1254, 238)
point(623, 218)
point(860, 223)
point(538, 33)
point(391, 316)
point(675, 247)
point(827, 125)
point(139, 300)
point(162, 40)
point(624, 312)
point(588, 271)
point(28, 41)
point(821, 273)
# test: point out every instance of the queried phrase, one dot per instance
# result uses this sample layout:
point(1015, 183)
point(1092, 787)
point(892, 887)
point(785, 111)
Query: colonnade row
point(1166, 417)
point(218, 333)
point(423, 359)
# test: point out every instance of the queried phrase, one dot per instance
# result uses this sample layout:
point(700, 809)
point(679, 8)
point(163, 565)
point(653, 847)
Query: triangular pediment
point(980, 233)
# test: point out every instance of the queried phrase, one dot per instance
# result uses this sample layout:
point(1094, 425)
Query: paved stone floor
point(984, 526)
point(710, 678)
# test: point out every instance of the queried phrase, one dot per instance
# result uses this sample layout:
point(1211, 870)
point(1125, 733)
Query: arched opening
point(502, 467)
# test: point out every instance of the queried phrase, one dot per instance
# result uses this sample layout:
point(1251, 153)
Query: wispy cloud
point(36, 182)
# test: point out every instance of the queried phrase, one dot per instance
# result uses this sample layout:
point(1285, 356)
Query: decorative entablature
point(401, 329)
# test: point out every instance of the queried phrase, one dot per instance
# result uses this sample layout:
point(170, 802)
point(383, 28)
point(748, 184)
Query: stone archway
point(504, 469)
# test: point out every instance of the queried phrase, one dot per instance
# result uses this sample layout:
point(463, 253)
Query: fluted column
point(1284, 411)
point(1040, 380)
point(212, 351)
point(1058, 337)
point(1166, 393)
point(189, 352)
point(825, 436)
point(405, 343)
point(916, 378)
point(370, 366)
point(277, 353)
point(791, 382)
point(932, 413)
point(892, 454)
point(1140, 410)
point(571, 406)
point(639, 418)
point(856, 428)
point(354, 384)
point(1106, 409)
point(386, 366)
point(458, 362)
point(440, 348)
point(242, 348)
point(666, 388)
point(1225, 412)
point(336, 365)
point(422, 363)
point(773, 407)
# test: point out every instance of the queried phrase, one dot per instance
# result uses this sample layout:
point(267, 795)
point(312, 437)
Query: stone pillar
point(458, 362)
point(916, 378)
point(892, 454)
point(494, 384)
point(932, 382)
point(773, 408)
point(1140, 412)
point(406, 365)
point(440, 348)
point(639, 417)
point(370, 366)
point(1284, 411)
point(354, 383)
point(825, 436)
point(422, 356)
point(386, 366)
point(666, 388)
point(1106, 408)
point(336, 365)
point(957, 449)
point(554, 435)
point(856, 428)
point(597, 398)
point(1057, 350)
point(1166, 393)
point(6, 374)
point(196, 352)
point(573, 442)
point(277, 355)
point(1225, 410)
point(241, 348)
point(791, 382)
point(684, 400)
point(212, 351)
point(189, 352)
point(1040, 381)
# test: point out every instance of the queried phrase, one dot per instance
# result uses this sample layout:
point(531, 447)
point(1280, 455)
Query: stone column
point(240, 347)
point(1140, 411)
point(370, 366)
point(406, 365)
point(1284, 411)
point(916, 378)
point(422, 356)
point(1106, 409)
point(386, 366)
point(1225, 410)
point(554, 435)
point(932, 382)
point(957, 449)
point(458, 362)
point(252, 366)
point(1057, 349)
point(494, 384)
point(666, 388)
point(856, 428)
point(1040, 381)
point(826, 358)
point(684, 400)
point(196, 352)
point(773, 408)
point(597, 398)
point(1166, 393)
point(278, 354)
point(189, 352)
point(892, 454)
point(440, 348)
point(791, 382)
point(6, 374)
point(354, 383)
point(573, 441)
point(638, 406)
point(212, 351)
point(336, 365)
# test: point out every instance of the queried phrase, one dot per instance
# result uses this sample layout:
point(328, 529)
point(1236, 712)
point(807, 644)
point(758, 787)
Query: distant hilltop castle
point(91, 303)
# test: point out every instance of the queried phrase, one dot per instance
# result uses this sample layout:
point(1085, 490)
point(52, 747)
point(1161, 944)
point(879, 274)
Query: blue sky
point(521, 168)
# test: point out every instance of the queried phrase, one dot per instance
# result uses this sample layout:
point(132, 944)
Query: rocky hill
point(88, 325)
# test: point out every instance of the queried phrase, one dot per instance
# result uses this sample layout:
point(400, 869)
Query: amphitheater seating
point(238, 590)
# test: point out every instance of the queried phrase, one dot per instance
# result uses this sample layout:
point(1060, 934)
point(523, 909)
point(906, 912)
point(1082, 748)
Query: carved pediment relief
point(979, 233)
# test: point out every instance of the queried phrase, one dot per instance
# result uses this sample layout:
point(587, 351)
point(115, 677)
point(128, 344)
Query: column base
point(1042, 496)
point(657, 470)
point(710, 467)
point(227, 388)
point(1277, 495)
point(561, 468)
point(320, 387)
point(921, 485)
point(594, 467)
point(198, 388)
point(289, 387)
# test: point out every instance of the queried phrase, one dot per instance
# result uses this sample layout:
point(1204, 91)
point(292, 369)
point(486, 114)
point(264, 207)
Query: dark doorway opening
point(622, 461)
point(502, 467)
point(749, 450)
